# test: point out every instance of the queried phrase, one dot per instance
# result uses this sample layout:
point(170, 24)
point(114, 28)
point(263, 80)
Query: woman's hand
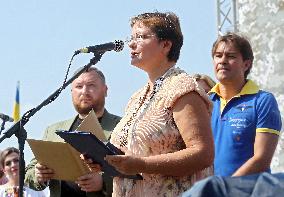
point(94, 167)
point(126, 164)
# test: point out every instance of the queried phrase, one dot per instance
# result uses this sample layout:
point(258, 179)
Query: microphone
point(6, 118)
point(117, 46)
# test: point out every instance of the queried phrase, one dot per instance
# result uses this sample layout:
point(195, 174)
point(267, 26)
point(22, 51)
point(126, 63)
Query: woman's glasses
point(138, 38)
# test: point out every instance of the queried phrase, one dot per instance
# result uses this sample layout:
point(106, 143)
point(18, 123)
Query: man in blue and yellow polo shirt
point(246, 121)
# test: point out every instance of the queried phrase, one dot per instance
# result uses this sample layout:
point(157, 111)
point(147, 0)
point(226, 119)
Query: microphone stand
point(19, 130)
point(2, 125)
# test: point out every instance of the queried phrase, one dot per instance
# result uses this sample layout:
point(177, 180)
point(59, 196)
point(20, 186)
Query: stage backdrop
point(263, 22)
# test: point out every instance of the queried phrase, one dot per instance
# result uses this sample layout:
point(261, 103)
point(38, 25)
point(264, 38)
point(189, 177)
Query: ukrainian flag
point(16, 111)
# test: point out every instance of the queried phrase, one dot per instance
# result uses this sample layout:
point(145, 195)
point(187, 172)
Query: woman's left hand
point(126, 164)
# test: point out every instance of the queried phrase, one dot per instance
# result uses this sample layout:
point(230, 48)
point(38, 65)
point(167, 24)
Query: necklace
point(141, 106)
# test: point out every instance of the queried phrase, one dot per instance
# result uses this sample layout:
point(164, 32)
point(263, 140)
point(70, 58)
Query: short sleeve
point(268, 114)
point(181, 84)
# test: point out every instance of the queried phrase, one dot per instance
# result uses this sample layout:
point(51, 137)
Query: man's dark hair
point(240, 42)
point(100, 73)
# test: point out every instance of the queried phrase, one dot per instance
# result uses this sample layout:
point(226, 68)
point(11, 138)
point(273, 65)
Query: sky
point(38, 38)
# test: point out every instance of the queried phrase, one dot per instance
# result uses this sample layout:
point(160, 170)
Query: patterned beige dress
point(148, 128)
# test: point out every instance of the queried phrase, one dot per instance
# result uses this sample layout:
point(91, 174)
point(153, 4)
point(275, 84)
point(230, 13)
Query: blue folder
point(89, 145)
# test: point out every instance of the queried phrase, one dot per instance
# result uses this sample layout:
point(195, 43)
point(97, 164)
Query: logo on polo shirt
point(243, 107)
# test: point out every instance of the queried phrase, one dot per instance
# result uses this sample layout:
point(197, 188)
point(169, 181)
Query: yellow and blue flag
point(16, 111)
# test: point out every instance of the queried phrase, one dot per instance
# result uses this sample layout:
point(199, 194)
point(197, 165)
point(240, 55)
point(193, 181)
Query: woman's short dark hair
point(240, 42)
point(166, 26)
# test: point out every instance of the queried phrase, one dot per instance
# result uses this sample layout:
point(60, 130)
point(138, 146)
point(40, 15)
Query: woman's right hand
point(94, 167)
point(43, 173)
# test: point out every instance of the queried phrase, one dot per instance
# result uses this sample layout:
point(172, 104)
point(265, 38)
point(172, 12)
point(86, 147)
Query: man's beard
point(86, 109)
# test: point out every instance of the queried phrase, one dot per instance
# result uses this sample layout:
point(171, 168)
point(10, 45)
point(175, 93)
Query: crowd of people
point(176, 130)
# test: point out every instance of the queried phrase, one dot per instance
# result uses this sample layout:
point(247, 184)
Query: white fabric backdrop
point(263, 22)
